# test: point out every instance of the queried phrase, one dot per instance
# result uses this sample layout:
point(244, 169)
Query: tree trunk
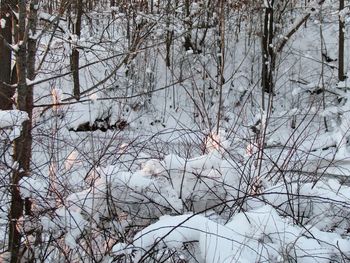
point(6, 92)
point(20, 146)
point(341, 74)
point(268, 54)
point(169, 36)
point(221, 61)
point(75, 52)
point(25, 68)
point(188, 44)
point(31, 53)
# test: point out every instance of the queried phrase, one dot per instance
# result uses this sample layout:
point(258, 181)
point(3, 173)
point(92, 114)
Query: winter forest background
point(174, 131)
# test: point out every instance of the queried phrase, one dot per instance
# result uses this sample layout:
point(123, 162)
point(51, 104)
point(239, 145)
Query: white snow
point(176, 181)
point(10, 118)
point(260, 234)
point(2, 23)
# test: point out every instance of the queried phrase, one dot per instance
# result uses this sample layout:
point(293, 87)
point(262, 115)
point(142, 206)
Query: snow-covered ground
point(156, 176)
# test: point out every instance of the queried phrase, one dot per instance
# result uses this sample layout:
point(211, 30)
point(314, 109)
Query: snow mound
point(260, 235)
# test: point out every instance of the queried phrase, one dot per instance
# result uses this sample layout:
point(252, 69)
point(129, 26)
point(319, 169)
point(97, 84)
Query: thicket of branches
point(155, 131)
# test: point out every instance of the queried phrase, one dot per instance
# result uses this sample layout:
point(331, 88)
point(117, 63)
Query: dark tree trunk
point(169, 36)
point(268, 54)
point(188, 44)
point(341, 73)
point(6, 92)
point(264, 72)
point(75, 52)
point(20, 146)
point(25, 69)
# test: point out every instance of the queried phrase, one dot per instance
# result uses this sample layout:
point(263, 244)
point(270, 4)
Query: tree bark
point(169, 36)
point(20, 146)
point(341, 73)
point(25, 68)
point(267, 51)
point(6, 92)
point(75, 52)
point(221, 62)
point(188, 44)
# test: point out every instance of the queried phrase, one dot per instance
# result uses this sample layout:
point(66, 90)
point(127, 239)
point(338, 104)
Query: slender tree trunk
point(25, 68)
point(341, 73)
point(31, 54)
point(188, 44)
point(6, 92)
point(264, 69)
point(268, 60)
point(75, 52)
point(169, 35)
point(271, 50)
point(20, 146)
point(221, 62)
